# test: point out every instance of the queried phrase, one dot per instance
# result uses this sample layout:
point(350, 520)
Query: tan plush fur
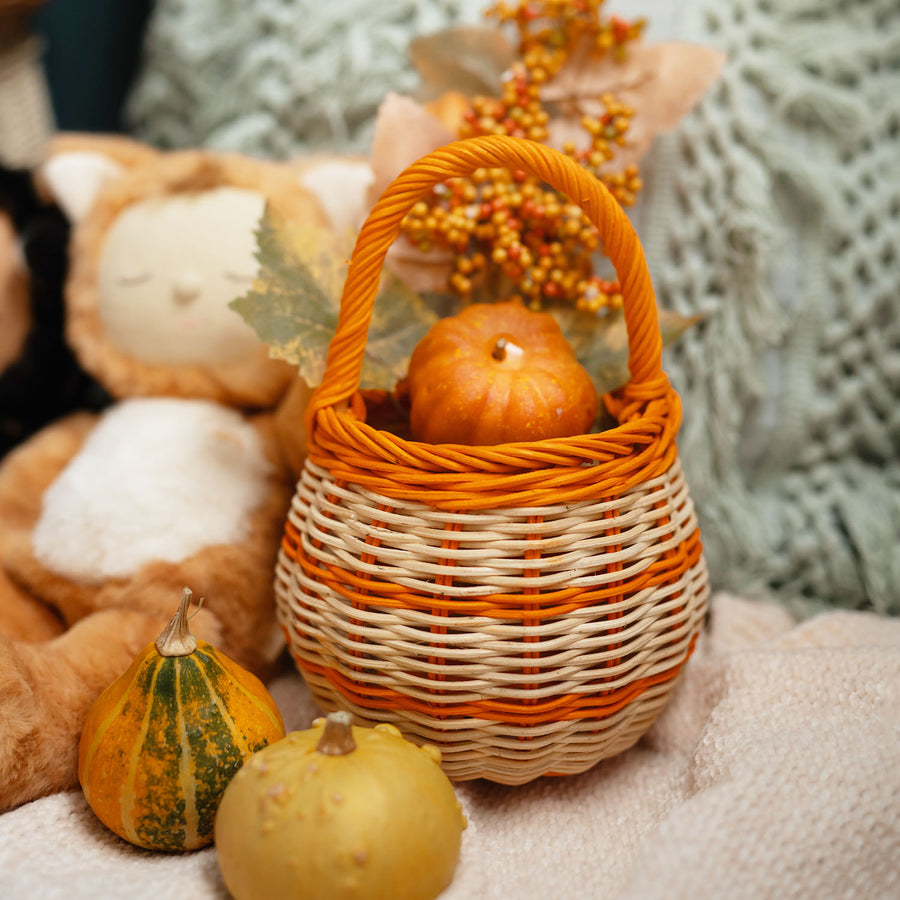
point(24, 476)
point(63, 641)
point(289, 427)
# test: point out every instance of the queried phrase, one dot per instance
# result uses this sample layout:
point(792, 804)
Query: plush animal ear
point(342, 188)
point(77, 165)
point(75, 178)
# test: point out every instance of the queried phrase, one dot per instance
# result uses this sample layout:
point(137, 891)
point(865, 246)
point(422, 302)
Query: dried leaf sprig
point(508, 233)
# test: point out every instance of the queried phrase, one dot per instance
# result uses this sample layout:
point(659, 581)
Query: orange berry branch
point(511, 235)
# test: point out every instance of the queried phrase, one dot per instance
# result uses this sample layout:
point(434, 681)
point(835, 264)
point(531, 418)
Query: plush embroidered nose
point(186, 287)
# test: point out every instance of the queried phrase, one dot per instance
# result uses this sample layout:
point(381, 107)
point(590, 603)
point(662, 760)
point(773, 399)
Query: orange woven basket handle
point(345, 353)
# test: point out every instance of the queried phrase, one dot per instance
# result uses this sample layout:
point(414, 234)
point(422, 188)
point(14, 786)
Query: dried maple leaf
point(294, 302)
point(601, 344)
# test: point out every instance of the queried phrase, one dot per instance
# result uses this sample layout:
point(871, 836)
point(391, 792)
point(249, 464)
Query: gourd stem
point(176, 638)
point(499, 351)
point(337, 738)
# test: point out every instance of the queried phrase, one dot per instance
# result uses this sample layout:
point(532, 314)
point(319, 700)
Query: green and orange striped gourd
point(162, 742)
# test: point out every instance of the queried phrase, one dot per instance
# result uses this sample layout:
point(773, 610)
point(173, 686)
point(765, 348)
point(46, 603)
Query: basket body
point(526, 608)
point(522, 642)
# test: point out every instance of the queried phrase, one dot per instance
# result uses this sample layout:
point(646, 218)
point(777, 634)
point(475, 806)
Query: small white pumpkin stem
point(176, 638)
point(337, 737)
point(499, 351)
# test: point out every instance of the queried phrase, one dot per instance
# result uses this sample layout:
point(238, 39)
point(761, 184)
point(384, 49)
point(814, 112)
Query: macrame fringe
point(806, 533)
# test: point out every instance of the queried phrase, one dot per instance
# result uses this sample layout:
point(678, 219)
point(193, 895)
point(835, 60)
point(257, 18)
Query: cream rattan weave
point(455, 660)
point(525, 607)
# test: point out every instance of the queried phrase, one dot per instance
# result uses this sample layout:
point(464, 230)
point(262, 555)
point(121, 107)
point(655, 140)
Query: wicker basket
point(526, 607)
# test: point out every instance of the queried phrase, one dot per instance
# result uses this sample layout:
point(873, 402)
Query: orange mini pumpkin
point(496, 373)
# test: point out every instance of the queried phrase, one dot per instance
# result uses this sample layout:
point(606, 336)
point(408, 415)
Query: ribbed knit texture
point(774, 209)
point(277, 78)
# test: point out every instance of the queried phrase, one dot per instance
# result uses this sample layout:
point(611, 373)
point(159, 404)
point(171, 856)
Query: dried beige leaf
point(465, 58)
point(405, 131)
point(662, 82)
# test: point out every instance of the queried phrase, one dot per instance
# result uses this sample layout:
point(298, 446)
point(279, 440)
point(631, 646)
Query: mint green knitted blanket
point(774, 210)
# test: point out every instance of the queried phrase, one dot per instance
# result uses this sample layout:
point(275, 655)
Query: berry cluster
point(511, 235)
point(552, 27)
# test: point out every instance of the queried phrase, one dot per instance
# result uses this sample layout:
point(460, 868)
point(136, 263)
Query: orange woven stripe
point(528, 474)
point(364, 591)
point(445, 579)
point(392, 596)
point(564, 707)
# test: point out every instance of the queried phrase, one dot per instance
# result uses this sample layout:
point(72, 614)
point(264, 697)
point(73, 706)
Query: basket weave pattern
point(526, 607)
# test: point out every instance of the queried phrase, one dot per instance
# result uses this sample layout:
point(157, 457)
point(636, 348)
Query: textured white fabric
point(158, 478)
point(773, 772)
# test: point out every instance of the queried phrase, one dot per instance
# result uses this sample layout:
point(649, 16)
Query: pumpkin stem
point(499, 351)
point(176, 638)
point(337, 738)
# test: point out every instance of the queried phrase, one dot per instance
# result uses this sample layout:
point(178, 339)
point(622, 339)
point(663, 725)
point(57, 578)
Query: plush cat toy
point(183, 481)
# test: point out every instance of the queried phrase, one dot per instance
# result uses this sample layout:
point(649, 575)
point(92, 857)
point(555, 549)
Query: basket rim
point(532, 473)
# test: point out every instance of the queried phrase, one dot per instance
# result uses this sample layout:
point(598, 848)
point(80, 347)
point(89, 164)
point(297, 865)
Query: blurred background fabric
point(93, 49)
point(278, 78)
point(774, 211)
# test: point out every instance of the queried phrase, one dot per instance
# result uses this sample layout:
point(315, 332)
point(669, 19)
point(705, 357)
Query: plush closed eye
point(131, 280)
point(240, 277)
